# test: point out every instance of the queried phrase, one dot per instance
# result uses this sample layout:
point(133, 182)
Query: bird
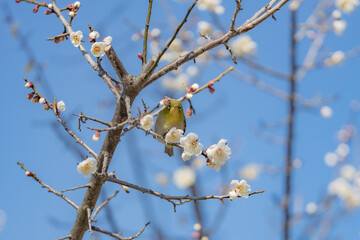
point(172, 115)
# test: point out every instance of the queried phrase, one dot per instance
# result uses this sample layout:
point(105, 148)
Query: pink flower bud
point(210, 84)
point(35, 99)
point(17, 1)
point(211, 89)
point(28, 173)
point(188, 112)
point(71, 6)
point(56, 40)
point(195, 235)
point(163, 102)
point(36, 9)
point(96, 136)
point(194, 87)
point(46, 107)
point(28, 84)
point(30, 95)
point(140, 56)
point(48, 12)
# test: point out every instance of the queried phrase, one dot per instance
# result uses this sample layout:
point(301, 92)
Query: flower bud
point(163, 102)
point(96, 136)
point(71, 6)
point(35, 99)
point(42, 100)
point(188, 112)
point(48, 12)
point(17, 1)
point(46, 107)
point(126, 188)
point(72, 14)
point(140, 56)
point(50, 5)
point(28, 173)
point(36, 9)
point(188, 96)
point(194, 87)
point(77, 4)
point(28, 84)
point(30, 95)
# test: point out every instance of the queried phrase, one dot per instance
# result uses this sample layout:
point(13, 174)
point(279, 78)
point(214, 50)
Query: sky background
point(234, 112)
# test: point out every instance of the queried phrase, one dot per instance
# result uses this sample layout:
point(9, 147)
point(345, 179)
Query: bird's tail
point(169, 150)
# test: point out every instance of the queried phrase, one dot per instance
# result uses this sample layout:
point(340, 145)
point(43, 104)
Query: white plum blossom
point(243, 46)
point(339, 26)
point(162, 178)
point(76, 37)
point(347, 6)
point(72, 14)
point(94, 35)
point(147, 122)
point(211, 5)
point(326, 112)
point(311, 208)
point(87, 167)
point(97, 49)
point(331, 159)
point(335, 58)
point(174, 135)
point(336, 14)
point(339, 187)
point(107, 40)
point(155, 32)
point(192, 71)
point(348, 172)
point(175, 83)
point(250, 171)
point(184, 177)
point(218, 154)
point(241, 189)
point(342, 150)
point(204, 27)
point(192, 146)
point(61, 106)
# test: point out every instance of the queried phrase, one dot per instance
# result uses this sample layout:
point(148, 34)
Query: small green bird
point(171, 116)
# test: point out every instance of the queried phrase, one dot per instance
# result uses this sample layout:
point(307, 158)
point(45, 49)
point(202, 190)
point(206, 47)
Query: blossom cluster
point(97, 48)
point(239, 189)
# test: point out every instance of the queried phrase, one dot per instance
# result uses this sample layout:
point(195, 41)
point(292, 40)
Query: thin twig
point(117, 235)
point(233, 20)
point(33, 175)
point(77, 139)
point(75, 188)
point(97, 210)
point(146, 33)
point(82, 116)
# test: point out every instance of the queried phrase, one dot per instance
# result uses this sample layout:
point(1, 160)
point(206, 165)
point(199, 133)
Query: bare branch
point(97, 210)
point(117, 235)
point(116, 63)
point(33, 175)
point(175, 200)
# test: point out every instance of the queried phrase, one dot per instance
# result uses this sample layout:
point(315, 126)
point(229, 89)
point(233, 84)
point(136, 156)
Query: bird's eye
point(179, 107)
point(169, 106)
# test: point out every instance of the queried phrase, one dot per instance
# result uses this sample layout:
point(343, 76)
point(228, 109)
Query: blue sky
point(32, 136)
